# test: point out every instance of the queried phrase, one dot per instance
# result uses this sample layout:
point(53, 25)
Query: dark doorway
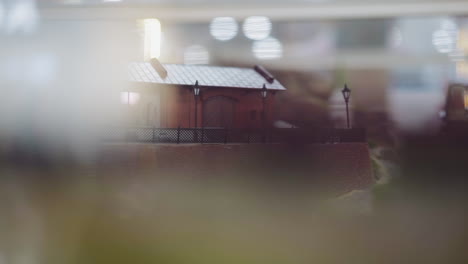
point(218, 112)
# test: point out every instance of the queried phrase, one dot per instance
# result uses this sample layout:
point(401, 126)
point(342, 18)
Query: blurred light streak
point(267, 49)
point(196, 54)
point(257, 27)
point(223, 28)
point(152, 31)
point(23, 16)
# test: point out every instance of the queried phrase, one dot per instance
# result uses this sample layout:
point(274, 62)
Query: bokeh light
point(445, 38)
point(257, 27)
point(267, 49)
point(223, 28)
point(196, 54)
point(22, 17)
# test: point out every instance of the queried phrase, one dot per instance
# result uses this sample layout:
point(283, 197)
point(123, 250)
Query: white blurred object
point(22, 17)
point(267, 49)
point(196, 54)
point(129, 98)
point(445, 38)
point(72, 2)
point(152, 29)
point(395, 38)
point(415, 110)
point(223, 28)
point(283, 124)
point(257, 27)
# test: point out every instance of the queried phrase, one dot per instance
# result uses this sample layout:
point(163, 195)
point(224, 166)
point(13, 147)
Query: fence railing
point(221, 135)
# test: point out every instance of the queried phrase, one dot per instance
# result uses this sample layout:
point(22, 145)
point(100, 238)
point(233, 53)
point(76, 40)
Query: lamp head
point(264, 91)
point(196, 89)
point(346, 92)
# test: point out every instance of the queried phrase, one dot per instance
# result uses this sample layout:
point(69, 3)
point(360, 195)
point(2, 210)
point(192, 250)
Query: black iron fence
point(221, 135)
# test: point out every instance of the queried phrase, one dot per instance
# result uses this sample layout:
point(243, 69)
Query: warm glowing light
point(462, 69)
point(466, 99)
point(267, 49)
point(257, 27)
point(129, 98)
point(459, 55)
point(463, 40)
point(196, 54)
point(152, 28)
point(223, 28)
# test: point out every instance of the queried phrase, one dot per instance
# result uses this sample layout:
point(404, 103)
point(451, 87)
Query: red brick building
point(164, 96)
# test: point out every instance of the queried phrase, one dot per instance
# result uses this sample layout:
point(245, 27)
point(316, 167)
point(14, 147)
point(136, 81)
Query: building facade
point(227, 97)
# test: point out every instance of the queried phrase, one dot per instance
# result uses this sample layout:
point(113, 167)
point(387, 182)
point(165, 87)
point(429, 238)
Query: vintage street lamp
point(346, 95)
point(264, 94)
point(196, 94)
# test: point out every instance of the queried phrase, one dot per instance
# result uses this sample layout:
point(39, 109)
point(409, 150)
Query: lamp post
point(346, 95)
point(264, 94)
point(196, 94)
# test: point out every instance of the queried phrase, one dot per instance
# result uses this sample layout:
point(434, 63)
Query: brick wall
point(335, 167)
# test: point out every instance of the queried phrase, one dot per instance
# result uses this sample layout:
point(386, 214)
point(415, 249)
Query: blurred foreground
point(139, 204)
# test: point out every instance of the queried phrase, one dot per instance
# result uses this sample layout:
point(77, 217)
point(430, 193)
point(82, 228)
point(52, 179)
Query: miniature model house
point(172, 95)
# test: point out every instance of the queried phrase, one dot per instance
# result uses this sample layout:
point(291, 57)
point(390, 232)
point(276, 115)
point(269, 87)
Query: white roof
point(207, 76)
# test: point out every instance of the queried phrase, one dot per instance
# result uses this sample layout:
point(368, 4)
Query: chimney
point(264, 73)
point(159, 68)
